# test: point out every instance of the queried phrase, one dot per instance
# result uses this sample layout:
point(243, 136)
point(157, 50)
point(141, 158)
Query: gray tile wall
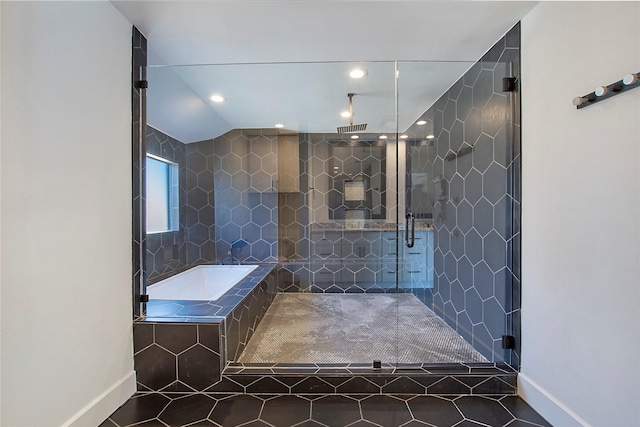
point(241, 323)
point(194, 242)
point(178, 357)
point(200, 204)
point(239, 201)
point(318, 256)
point(246, 197)
point(477, 159)
point(167, 252)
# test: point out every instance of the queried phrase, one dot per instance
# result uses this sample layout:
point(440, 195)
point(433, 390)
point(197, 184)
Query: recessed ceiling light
point(404, 136)
point(430, 136)
point(354, 137)
point(421, 122)
point(383, 137)
point(358, 73)
point(345, 114)
point(279, 125)
point(217, 98)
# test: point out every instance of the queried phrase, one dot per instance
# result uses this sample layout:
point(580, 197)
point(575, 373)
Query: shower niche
point(357, 182)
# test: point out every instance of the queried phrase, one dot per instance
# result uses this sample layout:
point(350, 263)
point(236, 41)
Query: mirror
point(420, 183)
point(357, 173)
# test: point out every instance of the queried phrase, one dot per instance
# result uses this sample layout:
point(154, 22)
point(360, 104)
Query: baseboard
point(546, 404)
point(104, 405)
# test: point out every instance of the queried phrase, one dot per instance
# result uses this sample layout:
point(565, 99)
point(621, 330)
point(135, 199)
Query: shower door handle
point(410, 223)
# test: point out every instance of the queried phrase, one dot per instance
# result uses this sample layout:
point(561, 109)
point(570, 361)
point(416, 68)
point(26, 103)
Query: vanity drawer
point(326, 244)
point(325, 277)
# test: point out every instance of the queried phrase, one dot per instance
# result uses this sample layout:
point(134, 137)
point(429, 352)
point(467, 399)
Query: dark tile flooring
point(226, 410)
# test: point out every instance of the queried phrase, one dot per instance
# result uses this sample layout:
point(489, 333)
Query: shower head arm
point(351, 127)
point(350, 95)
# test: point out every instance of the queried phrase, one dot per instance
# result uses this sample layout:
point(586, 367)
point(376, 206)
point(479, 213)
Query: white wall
point(581, 215)
point(0, 218)
point(66, 213)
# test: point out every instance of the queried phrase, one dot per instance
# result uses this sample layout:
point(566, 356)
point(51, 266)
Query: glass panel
point(380, 239)
point(458, 190)
point(351, 209)
point(316, 194)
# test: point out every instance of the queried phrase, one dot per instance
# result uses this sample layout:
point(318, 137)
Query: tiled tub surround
point(183, 346)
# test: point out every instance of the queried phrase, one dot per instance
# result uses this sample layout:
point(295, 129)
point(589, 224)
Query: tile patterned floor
point(227, 410)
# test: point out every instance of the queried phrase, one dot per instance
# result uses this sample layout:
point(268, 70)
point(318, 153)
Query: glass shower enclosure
point(387, 201)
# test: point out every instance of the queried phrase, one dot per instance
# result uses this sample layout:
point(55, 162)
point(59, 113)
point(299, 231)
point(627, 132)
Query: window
point(162, 195)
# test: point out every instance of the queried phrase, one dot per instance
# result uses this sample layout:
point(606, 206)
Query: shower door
point(458, 236)
point(349, 175)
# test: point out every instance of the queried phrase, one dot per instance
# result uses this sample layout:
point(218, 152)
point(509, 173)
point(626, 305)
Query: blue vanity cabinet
point(413, 273)
point(360, 256)
point(417, 267)
point(389, 257)
point(326, 258)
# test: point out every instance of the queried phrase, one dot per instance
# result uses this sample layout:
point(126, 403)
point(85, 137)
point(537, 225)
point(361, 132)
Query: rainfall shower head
point(351, 127)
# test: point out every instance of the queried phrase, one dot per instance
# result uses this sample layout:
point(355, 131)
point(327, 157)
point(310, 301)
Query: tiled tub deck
point(185, 345)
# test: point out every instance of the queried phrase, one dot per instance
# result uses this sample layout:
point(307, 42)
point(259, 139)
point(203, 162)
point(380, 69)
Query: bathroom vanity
point(354, 256)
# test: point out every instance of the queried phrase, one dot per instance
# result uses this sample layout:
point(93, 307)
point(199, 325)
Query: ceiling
point(292, 58)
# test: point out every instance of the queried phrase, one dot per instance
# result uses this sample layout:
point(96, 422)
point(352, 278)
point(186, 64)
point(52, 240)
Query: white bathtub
point(201, 283)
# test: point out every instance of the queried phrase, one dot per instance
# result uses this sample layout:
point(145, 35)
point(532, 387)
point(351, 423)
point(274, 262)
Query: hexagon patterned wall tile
point(167, 252)
point(476, 156)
